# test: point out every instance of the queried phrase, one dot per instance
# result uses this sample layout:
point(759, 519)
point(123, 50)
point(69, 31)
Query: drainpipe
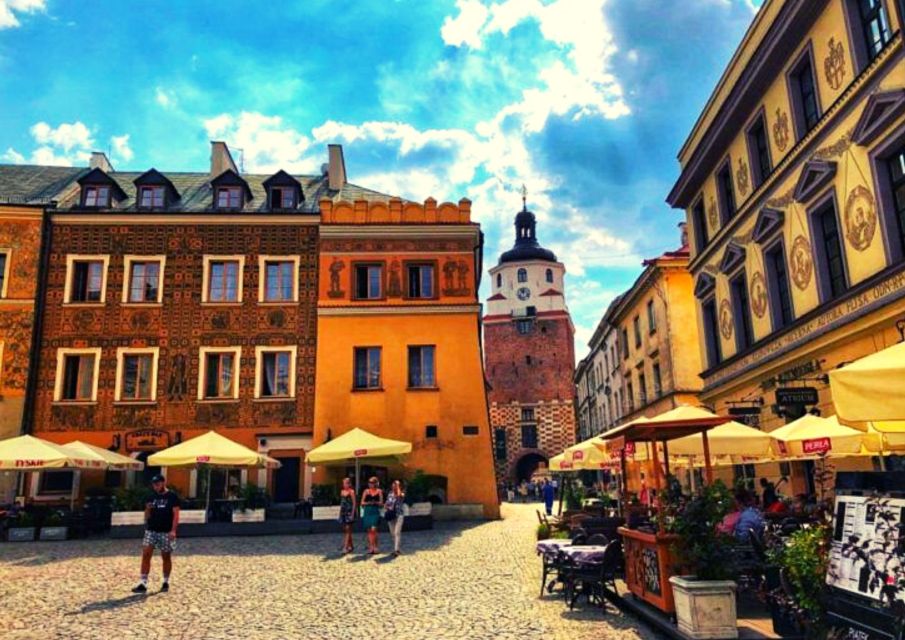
point(34, 355)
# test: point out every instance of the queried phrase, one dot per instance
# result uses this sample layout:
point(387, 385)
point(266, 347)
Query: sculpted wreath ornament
point(726, 319)
point(801, 265)
point(758, 294)
point(860, 218)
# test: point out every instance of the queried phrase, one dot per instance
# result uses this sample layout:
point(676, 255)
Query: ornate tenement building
point(529, 350)
point(598, 380)
point(24, 193)
point(181, 302)
point(793, 184)
point(398, 348)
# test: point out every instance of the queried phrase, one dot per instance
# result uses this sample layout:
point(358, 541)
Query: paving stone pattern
point(461, 580)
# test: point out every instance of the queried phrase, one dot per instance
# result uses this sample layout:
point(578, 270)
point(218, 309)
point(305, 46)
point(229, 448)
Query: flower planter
point(21, 534)
point(123, 518)
point(248, 515)
point(705, 608)
point(54, 533)
point(192, 516)
point(325, 513)
point(420, 509)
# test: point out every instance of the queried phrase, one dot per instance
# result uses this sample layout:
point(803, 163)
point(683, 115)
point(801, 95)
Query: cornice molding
point(106, 218)
point(400, 310)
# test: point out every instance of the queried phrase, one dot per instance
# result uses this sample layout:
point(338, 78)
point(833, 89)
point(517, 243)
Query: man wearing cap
point(161, 520)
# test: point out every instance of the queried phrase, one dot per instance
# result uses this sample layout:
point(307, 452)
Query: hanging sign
point(147, 440)
point(749, 416)
point(786, 396)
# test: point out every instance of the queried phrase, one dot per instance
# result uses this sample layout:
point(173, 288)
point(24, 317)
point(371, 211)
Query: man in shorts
point(161, 520)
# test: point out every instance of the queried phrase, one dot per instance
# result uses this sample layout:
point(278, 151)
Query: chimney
point(100, 161)
point(683, 233)
point(336, 169)
point(221, 159)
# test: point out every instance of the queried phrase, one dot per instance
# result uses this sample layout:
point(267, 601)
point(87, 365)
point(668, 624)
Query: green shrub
point(131, 498)
point(325, 495)
point(254, 497)
point(700, 550)
point(23, 520)
point(53, 519)
point(543, 531)
point(804, 557)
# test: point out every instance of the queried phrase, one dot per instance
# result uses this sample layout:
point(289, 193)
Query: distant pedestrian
point(371, 502)
point(532, 490)
point(510, 492)
point(549, 495)
point(347, 513)
point(555, 484)
point(161, 520)
point(394, 513)
point(523, 491)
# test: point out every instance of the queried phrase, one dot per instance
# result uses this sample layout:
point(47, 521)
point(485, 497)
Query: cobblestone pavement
point(461, 580)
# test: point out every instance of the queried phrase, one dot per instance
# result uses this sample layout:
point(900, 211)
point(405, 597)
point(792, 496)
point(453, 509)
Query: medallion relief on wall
point(781, 129)
point(726, 319)
point(860, 218)
point(741, 177)
point(800, 263)
point(834, 63)
point(758, 294)
point(336, 269)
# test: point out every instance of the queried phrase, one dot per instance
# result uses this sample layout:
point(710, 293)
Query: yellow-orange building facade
point(792, 182)
point(398, 339)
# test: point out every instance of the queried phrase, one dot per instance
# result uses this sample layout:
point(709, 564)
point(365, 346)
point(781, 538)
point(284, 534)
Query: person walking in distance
point(394, 513)
point(371, 501)
point(549, 494)
point(347, 513)
point(161, 520)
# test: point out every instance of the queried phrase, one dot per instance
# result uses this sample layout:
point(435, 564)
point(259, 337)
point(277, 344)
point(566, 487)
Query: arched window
point(523, 275)
point(549, 275)
point(499, 280)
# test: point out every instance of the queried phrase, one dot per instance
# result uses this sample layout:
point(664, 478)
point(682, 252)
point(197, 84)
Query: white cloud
point(64, 145)
point(465, 27)
point(263, 143)
point(13, 156)
point(67, 136)
point(9, 9)
point(121, 149)
point(164, 98)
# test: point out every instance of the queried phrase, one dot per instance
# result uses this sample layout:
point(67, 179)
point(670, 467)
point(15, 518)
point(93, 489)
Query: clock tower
point(529, 353)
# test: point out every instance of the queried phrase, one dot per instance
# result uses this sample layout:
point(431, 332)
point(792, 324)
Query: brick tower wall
point(555, 431)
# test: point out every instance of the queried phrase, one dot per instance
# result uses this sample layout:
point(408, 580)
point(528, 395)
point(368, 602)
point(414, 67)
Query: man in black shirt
point(161, 520)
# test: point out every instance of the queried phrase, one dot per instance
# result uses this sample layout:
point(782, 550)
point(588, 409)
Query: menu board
point(856, 522)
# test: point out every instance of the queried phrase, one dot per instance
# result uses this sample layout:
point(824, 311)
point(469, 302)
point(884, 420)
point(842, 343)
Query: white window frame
point(71, 259)
point(202, 363)
point(262, 278)
point(121, 352)
point(259, 369)
point(6, 270)
point(127, 278)
point(58, 381)
point(205, 279)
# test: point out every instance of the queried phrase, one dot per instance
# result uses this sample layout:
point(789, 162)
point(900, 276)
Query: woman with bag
point(347, 513)
point(395, 513)
point(371, 501)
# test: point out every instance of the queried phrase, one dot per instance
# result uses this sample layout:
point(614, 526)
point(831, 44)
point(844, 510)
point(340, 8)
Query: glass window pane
point(86, 377)
point(374, 367)
point(226, 375)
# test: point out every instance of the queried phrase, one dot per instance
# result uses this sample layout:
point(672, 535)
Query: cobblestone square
point(461, 580)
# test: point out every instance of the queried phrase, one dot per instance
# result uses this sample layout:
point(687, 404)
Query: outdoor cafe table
point(552, 544)
point(585, 553)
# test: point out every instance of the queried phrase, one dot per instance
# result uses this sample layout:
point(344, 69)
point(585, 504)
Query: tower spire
point(524, 197)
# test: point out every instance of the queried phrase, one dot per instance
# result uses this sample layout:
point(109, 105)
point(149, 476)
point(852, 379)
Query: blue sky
point(585, 101)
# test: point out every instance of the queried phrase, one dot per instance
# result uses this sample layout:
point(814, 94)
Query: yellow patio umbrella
point(27, 453)
point(213, 449)
point(559, 463)
point(870, 390)
point(355, 445)
point(110, 459)
point(728, 439)
point(812, 435)
point(588, 456)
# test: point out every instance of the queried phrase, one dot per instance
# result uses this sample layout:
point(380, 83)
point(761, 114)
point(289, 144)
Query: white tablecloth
point(552, 544)
point(585, 553)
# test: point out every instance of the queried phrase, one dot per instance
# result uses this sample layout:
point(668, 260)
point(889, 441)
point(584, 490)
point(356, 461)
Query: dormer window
point(151, 197)
point(282, 198)
point(229, 198)
point(97, 196)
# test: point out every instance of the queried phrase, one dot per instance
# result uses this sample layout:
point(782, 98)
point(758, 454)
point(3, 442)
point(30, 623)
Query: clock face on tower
point(523, 293)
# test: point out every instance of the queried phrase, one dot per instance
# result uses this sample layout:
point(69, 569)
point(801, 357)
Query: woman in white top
point(394, 513)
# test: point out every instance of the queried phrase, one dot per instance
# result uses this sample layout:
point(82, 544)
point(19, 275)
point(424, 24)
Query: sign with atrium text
point(879, 295)
point(786, 396)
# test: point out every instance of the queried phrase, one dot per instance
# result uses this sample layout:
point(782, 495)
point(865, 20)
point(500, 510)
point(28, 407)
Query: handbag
point(389, 514)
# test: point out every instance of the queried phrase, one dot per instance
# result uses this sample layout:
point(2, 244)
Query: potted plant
point(22, 529)
point(129, 506)
point(53, 528)
point(796, 581)
point(543, 531)
point(418, 491)
point(253, 504)
point(326, 502)
point(703, 588)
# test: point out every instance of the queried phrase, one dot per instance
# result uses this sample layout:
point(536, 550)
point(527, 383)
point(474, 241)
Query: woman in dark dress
point(347, 513)
point(372, 501)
